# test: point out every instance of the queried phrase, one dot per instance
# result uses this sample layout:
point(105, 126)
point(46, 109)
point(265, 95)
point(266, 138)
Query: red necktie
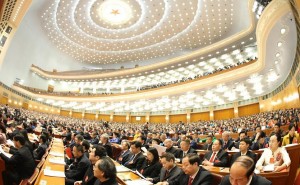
point(190, 181)
point(212, 157)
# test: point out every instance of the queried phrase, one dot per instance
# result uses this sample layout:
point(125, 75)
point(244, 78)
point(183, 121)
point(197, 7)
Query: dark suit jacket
point(40, 151)
point(108, 148)
point(152, 170)
point(238, 154)
point(78, 168)
point(22, 161)
point(138, 162)
point(221, 159)
point(203, 177)
point(94, 141)
point(172, 176)
point(228, 145)
point(256, 180)
point(124, 157)
point(207, 146)
point(89, 178)
point(108, 182)
point(173, 151)
point(190, 151)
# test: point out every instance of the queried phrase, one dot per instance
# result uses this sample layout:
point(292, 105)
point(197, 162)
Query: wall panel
point(90, 116)
point(248, 110)
point(134, 120)
point(64, 113)
point(177, 118)
point(104, 117)
point(118, 118)
point(77, 115)
point(223, 114)
point(157, 119)
point(200, 116)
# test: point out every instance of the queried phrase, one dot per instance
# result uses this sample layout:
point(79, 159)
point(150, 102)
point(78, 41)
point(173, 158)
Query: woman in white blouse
point(274, 155)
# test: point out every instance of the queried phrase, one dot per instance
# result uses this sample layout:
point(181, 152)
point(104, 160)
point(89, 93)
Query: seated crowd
point(93, 147)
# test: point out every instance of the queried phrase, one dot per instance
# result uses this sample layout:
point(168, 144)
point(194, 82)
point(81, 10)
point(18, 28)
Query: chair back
point(217, 178)
point(40, 164)
point(33, 177)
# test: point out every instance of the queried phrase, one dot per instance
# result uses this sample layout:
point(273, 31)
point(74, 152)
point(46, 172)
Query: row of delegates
point(22, 161)
point(191, 172)
point(275, 155)
point(76, 170)
point(242, 173)
point(95, 153)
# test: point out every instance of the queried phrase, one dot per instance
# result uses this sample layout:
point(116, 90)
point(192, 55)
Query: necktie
point(212, 157)
point(190, 181)
point(131, 159)
point(167, 173)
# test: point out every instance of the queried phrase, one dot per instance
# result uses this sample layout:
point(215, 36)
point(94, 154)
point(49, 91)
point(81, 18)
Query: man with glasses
point(241, 173)
point(95, 154)
point(193, 173)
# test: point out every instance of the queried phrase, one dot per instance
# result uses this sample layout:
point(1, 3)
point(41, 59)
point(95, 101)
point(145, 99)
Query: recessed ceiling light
point(282, 31)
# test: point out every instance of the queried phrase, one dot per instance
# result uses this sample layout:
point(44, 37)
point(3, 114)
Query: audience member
point(242, 173)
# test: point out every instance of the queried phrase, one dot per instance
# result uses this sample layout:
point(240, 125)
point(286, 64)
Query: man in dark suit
point(216, 157)
point(125, 155)
point(137, 160)
point(260, 143)
point(22, 161)
point(185, 149)
point(106, 144)
point(77, 169)
point(242, 135)
point(245, 143)
point(241, 172)
point(41, 149)
point(209, 142)
point(170, 149)
point(170, 171)
point(94, 155)
point(227, 142)
point(143, 139)
point(193, 174)
point(94, 138)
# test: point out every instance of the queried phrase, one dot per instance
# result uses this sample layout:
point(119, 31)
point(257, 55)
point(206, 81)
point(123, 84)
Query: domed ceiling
point(134, 31)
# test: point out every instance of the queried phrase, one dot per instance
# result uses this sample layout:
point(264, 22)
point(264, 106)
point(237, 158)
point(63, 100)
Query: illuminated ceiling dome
point(110, 32)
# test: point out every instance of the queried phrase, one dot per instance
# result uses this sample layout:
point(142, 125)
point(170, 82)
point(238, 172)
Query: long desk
point(57, 147)
point(122, 176)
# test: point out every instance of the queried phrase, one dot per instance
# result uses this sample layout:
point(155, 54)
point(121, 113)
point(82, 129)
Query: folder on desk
point(269, 168)
point(56, 154)
point(138, 182)
point(122, 169)
point(57, 161)
point(54, 173)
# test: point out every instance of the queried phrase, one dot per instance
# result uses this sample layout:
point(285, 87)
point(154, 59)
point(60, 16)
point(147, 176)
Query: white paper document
point(56, 154)
point(269, 168)
point(10, 142)
point(160, 149)
point(138, 182)
point(57, 160)
point(122, 169)
point(53, 173)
